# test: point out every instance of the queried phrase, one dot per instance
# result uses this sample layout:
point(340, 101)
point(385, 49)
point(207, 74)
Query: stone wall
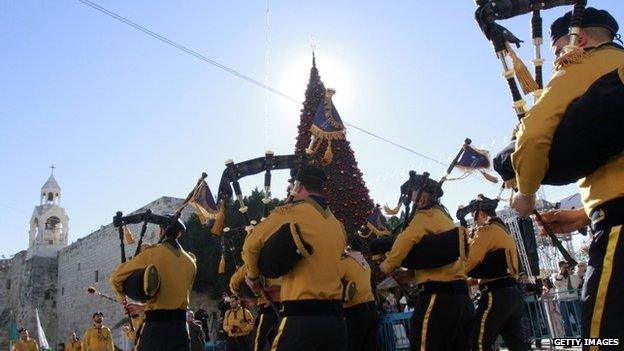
point(26, 284)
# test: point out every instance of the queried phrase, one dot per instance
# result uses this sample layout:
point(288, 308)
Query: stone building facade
point(53, 276)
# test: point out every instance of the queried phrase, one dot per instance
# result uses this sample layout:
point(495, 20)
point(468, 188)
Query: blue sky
point(127, 119)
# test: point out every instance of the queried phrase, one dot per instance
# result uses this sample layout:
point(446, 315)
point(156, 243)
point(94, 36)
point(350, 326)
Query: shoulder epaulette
point(148, 246)
point(283, 209)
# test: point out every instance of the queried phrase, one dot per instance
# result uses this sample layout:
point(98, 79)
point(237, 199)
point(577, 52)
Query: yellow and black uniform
point(26, 345)
point(73, 345)
point(311, 292)
point(97, 339)
point(165, 314)
point(443, 301)
point(265, 324)
point(238, 323)
point(501, 305)
point(602, 191)
point(360, 310)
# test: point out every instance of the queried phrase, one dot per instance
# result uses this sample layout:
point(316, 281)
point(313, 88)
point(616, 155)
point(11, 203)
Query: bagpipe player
point(602, 70)
point(493, 261)
point(265, 324)
point(302, 242)
point(164, 325)
point(443, 316)
point(98, 337)
point(237, 323)
point(360, 310)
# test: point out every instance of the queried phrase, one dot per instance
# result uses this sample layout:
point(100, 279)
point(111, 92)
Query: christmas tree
point(346, 191)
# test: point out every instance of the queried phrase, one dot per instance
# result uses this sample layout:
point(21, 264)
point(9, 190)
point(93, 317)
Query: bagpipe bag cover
point(494, 265)
point(142, 284)
point(590, 133)
point(282, 251)
point(433, 250)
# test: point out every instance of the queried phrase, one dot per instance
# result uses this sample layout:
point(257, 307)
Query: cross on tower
point(52, 167)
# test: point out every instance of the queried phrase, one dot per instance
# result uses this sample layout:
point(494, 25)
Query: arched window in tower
point(52, 223)
point(53, 230)
point(50, 198)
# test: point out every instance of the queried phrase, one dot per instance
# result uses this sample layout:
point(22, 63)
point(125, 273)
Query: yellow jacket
point(73, 345)
point(238, 322)
point(176, 269)
point(536, 130)
point(434, 220)
point(28, 345)
point(97, 339)
point(357, 270)
point(488, 238)
point(316, 277)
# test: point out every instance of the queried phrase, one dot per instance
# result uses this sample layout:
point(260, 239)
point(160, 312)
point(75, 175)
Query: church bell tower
point(49, 224)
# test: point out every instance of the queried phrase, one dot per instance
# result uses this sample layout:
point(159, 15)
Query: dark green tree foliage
point(207, 247)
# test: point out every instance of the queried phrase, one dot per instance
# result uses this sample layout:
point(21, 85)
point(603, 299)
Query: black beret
point(98, 313)
point(173, 225)
point(591, 18)
point(482, 203)
point(312, 173)
point(22, 330)
point(426, 184)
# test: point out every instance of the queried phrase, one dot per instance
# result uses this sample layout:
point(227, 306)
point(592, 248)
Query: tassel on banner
point(489, 177)
point(221, 264)
point(128, 235)
point(217, 226)
point(376, 231)
point(525, 78)
point(329, 155)
point(202, 214)
point(392, 211)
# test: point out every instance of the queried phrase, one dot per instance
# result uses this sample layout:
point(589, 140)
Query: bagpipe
point(433, 250)
point(589, 133)
point(276, 255)
point(143, 284)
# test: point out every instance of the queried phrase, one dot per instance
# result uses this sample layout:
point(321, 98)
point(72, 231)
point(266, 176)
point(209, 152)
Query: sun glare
point(293, 80)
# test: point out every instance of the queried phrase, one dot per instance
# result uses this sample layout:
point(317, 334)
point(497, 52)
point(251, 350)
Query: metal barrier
point(219, 345)
point(394, 330)
point(555, 315)
point(546, 317)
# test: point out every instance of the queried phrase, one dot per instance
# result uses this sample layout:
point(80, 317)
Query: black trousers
point(238, 343)
point(363, 330)
point(264, 330)
point(442, 321)
point(603, 292)
point(500, 313)
point(311, 333)
point(164, 336)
